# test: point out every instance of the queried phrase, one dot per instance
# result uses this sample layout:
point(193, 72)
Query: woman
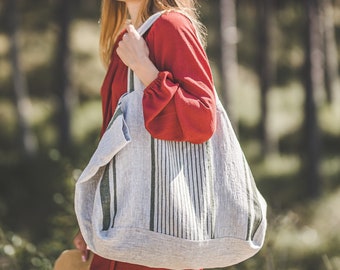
point(178, 100)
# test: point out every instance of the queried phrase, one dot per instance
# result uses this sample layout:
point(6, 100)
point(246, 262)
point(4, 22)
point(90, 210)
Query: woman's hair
point(114, 15)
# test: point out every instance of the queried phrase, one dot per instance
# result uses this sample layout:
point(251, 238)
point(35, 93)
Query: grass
point(309, 232)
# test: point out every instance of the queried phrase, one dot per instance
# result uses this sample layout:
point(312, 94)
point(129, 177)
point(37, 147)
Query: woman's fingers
point(84, 255)
point(132, 49)
point(80, 244)
point(132, 30)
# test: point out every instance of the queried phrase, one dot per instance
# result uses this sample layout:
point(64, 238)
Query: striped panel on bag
point(108, 183)
point(181, 198)
point(117, 113)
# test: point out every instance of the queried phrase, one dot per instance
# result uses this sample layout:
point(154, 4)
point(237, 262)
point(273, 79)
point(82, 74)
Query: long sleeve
point(179, 104)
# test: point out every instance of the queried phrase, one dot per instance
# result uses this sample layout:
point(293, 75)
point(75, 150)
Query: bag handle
point(142, 30)
point(149, 22)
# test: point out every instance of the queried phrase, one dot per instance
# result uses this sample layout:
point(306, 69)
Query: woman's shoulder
point(169, 30)
point(173, 20)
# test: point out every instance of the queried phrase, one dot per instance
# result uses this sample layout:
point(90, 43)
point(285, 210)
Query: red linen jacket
point(179, 104)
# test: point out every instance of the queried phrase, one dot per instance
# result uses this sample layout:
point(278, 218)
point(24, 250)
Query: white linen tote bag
point(166, 204)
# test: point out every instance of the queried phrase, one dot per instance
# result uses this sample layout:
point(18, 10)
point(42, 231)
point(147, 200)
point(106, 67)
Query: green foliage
point(16, 253)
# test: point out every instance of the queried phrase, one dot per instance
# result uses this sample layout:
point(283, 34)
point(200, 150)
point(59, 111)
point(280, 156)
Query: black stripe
point(153, 176)
point(164, 179)
point(204, 194)
point(131, 82)
point(114, 178)
point(166, 205)
point(183, 202)
point(160, 176)
point(105, 198)
point(162, 201)
point(200, 187)
point(170, 208)
point(195, 155)
point(191, 177)
point(185, 216)
point(189, 172)
point(158, 171)
point(114, 117)
point(211, 191)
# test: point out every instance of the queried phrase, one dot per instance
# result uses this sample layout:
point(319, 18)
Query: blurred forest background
point(275, 64)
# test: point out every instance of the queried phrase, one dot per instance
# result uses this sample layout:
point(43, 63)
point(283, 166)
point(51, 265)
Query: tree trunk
point(265, 14)
point(28, 140)
point(332, 83)
point(63, 72)
point(229, 64)
point(313, 84)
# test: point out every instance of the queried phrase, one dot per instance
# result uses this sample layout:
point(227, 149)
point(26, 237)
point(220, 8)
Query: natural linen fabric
point(168, 204)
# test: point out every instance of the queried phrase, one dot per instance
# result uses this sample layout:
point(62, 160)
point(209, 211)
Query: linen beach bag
point(167, 204)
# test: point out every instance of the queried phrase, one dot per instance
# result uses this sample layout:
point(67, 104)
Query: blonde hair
point(114, 15)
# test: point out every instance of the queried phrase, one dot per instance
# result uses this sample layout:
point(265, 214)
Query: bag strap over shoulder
point(142, 30)
point(149, 22)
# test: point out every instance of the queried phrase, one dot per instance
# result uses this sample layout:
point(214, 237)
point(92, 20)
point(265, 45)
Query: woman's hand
point(134, 53)
point(80, 244)
point(132, 49)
